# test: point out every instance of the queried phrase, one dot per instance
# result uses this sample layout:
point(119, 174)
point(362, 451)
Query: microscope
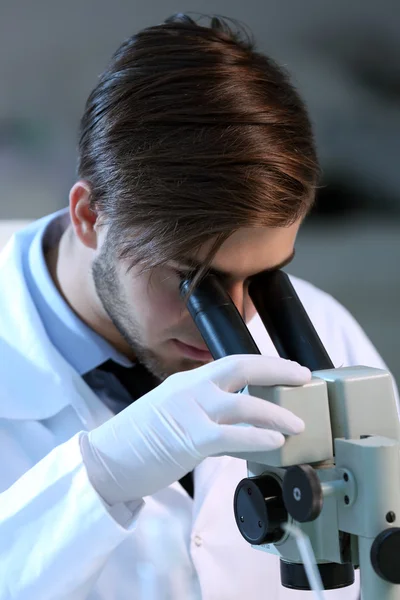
point(339, 480)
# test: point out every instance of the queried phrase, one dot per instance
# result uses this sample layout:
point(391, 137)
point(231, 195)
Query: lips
point(192, 351)
point(194, 347)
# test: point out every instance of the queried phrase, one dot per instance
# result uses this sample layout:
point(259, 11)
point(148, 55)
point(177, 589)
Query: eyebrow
point(194, 265)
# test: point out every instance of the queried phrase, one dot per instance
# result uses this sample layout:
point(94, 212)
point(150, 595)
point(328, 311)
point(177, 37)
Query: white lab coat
point(57, 538)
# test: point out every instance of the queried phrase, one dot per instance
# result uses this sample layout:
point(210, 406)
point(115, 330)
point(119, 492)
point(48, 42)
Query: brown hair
point(189, 135)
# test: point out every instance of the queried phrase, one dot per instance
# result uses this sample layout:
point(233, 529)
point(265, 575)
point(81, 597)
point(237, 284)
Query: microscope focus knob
point(259, 509)
point(302, 493)
point(385, 555)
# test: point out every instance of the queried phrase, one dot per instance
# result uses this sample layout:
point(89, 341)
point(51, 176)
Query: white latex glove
point(190, 416)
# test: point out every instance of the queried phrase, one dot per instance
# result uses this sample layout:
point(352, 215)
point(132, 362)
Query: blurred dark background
point(344, 59)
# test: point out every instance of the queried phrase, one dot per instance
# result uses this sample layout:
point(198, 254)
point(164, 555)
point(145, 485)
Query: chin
point(166, 361)
point(162, 368)
point(184, 365)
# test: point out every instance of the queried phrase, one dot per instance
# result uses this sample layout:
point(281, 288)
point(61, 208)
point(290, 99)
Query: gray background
point(344, 58)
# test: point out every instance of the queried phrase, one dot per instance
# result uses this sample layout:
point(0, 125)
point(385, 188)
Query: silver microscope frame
point(352, 440)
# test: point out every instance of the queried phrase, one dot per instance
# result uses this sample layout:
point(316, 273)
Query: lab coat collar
point(35, 383)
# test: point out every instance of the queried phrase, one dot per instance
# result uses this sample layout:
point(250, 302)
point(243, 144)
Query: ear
point(83, 218)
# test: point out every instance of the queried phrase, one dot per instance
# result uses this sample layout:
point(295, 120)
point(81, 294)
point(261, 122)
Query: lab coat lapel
point(37, 383)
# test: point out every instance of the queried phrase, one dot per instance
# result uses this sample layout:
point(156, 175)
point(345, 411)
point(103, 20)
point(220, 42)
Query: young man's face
point(149, 313)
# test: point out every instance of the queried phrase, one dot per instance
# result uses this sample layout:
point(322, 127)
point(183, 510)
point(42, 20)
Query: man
point(195, 153)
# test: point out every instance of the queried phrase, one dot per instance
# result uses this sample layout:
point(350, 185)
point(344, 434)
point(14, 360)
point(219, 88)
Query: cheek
point(160, 306)
point(167, 306)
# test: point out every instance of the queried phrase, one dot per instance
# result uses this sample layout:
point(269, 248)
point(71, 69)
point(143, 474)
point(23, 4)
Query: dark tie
point(138, 381)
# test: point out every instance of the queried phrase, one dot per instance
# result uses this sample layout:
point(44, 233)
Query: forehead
point(252, 250)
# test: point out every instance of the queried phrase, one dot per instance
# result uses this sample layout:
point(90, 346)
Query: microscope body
point(339, 480)
point(347, 500)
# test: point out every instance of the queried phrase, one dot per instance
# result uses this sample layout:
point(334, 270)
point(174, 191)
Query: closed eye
point(222, 278)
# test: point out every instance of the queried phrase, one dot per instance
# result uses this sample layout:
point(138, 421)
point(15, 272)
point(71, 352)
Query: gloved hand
point(190, 416)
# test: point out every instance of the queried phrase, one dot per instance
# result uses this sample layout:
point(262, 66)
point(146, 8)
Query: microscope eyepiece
point(286, 321)
point(217, 318)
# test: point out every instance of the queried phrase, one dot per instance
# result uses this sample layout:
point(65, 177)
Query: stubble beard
point(109, 292)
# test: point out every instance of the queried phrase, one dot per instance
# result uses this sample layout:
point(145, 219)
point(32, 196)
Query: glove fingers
point(242, 408)
point(232, 373)
point(234, 438)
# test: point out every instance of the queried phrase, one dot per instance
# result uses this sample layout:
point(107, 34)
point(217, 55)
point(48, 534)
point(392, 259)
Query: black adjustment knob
point(259, 509)
point(302, 493)
point(385, 555)
point(333, 575)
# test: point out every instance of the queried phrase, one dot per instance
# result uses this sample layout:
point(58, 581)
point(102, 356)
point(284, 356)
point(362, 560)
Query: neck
point(70, 271)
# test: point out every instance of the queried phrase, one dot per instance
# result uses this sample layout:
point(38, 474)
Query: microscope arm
point(348, 502)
